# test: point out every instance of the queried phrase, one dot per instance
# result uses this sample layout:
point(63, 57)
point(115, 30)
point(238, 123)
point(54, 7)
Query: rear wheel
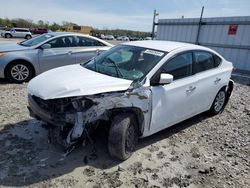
point(219, 102)
point(123, 136)
point(19, 72)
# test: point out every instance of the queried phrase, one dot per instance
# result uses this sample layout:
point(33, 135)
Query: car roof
point(166, 46)
point(67, 33)
point(20, 28)
point(55, 34)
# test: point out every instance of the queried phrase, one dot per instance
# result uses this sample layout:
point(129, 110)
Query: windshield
point(124, 61)
point(36, 40)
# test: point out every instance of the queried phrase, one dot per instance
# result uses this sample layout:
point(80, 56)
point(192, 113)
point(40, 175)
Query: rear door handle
point(69, 52)
point(216, 81)
point(190, 89)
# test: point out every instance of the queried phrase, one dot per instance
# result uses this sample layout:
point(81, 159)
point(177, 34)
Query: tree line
point(28, 23)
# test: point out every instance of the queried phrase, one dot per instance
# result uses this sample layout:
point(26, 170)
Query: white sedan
point(138, 88)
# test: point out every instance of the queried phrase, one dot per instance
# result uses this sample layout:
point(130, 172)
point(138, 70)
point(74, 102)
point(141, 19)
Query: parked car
point(109, 37)
point(17, 33)
point(123, 38)
point(148, 38)
point(2, 27)
point(137, 88)
point(38, 31)
point(133, 38)
point(20, 62)
point(102, 36)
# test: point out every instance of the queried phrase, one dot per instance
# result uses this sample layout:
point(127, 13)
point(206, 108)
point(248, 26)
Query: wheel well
point(20, 61)
point(134, 110)
point(224, 88)
point(7, 34)
point(230, 86)
point(229, 91)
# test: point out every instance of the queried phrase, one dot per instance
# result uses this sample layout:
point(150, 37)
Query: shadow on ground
point(241, 79)
point(4, 81)
point(27, 158)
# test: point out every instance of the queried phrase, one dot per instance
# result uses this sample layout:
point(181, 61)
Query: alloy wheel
point(219, 101)
point(20, 72)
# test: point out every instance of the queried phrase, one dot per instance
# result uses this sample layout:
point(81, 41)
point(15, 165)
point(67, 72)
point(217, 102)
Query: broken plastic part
point(77, 130)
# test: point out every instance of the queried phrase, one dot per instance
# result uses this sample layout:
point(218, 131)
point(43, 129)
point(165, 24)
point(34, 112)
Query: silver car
point(17, 33)
point(21, 62)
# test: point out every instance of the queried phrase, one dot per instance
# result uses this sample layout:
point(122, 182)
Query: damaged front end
point(71, 119)
point(64, 117)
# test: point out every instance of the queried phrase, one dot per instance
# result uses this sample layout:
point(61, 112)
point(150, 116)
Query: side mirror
point(46, 46)
point(165, 78)
point(98, 52)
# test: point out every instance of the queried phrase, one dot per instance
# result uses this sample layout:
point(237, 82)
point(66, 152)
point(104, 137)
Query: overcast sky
point(124, 14)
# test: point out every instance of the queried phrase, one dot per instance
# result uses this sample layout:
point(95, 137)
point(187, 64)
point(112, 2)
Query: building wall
point(214, 33)
point(80, 29)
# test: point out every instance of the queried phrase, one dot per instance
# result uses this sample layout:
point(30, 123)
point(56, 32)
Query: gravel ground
point(200, 152)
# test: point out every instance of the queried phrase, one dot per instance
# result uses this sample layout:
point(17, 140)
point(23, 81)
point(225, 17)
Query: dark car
point(38, 30)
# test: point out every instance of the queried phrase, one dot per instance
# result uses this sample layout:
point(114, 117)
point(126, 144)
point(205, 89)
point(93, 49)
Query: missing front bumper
point(55, 119)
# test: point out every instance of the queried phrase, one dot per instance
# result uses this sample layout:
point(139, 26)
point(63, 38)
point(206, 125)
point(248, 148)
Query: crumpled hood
point(12, 47)
point(74, 80)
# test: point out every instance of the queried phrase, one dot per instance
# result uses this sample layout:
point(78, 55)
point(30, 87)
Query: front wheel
point(219, 102)
point(28, 37)
point(19, 72)
point(8, 35)
point(123, 136)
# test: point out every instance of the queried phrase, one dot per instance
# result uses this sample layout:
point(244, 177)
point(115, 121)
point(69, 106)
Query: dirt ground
point(200, 152)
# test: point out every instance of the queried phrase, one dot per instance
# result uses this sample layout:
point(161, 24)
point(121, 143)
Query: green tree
point(55, 27)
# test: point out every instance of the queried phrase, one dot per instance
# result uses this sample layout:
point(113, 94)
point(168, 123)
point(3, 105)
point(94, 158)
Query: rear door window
point(217, 60)
point(203, 61)
point(85, 42)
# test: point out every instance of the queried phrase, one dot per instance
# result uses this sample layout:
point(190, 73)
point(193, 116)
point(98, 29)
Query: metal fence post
point(153, 28)
point(199, 27)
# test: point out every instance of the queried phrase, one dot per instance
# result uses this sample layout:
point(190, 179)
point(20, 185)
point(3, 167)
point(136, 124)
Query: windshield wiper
point(116, 68)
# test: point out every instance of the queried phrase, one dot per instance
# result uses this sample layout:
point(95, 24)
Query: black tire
point(28, 37)
point(28, 72)
point(218, 103)
point(123, 136)
point(8, 35)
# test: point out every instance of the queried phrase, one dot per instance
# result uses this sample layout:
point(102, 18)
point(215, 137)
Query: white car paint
point(162, 105)
point(174, 103)
point(74, 80)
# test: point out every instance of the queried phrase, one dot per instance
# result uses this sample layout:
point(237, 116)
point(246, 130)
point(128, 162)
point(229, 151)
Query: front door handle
point(190, 89)
point(69, 52)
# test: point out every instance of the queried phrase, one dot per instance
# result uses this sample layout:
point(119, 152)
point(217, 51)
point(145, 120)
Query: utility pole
point(153, 28)
point(199, 27)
